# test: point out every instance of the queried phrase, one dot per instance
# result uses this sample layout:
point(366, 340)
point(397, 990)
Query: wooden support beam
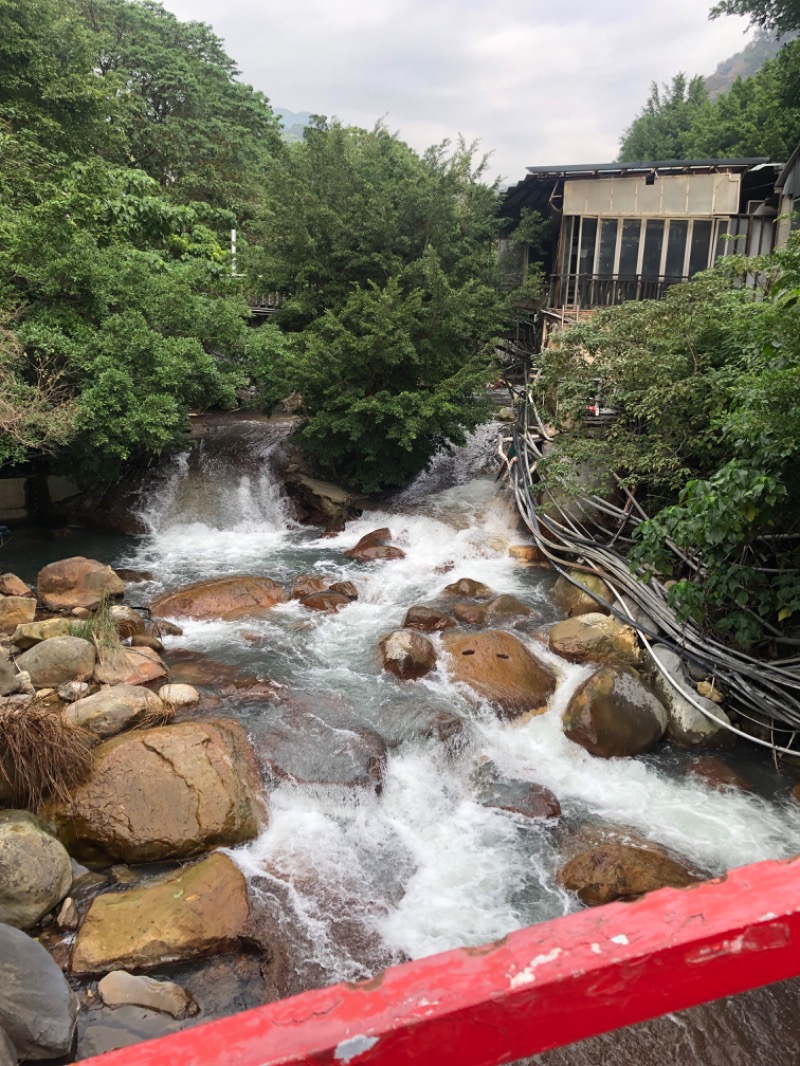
point(538, 988)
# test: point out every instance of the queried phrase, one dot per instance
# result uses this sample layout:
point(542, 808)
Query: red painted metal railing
point(536, 989)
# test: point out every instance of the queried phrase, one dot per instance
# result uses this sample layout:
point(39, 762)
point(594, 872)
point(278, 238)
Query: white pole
point(233, 252)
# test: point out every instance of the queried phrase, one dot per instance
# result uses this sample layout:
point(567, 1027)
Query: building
point(787, 188)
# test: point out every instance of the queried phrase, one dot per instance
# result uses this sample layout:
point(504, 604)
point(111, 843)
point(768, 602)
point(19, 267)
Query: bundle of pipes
point(765, 694)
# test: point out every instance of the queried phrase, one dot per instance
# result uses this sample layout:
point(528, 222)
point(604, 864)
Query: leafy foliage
point(779, 15)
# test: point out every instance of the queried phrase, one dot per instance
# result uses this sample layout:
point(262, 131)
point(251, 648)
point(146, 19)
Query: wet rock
point(11, 585)
point(614, 871)
point(68, 917)
point(35, 871)
point(16, 611)
point(416, 723)
point(469, 589)
point(119, 988)
point(594, 637)
point(306, 585)
point(116, 708)
point(717, 773)
point(326, 745)
point(525, 553)
point(76, 582)
point(8, 1053)
point(165, 628)
point(503, 608)
point(134, 577)
point(128, 623)
point(614, 714)
point(129, 666)
point(56, 661)
point(197, 911)
point(330, 602)
point(574, 601)
point(407, 654)
point(229, 598)
point(370, 555)
point(146, 640)
point(498, 667)
point(345, 588)
point(426, 620)
point(688, 726)
point(164, 793)
point(526, 798)
point(37, 1008)
point(470, 614)
point(179, 695)
point(376, 539)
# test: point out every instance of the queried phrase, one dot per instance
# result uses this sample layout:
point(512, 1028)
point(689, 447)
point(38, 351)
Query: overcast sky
point(535, 81)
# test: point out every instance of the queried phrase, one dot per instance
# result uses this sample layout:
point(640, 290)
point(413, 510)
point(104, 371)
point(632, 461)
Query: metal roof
point(649, 165)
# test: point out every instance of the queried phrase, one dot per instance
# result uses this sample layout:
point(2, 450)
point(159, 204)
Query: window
point(609, 228)
point(629, 247)
point(701, 242)
point(676, 248)
point(653, 243)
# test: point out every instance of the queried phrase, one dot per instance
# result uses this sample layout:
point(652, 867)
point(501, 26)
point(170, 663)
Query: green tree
point(782, 16)
point(664, 126)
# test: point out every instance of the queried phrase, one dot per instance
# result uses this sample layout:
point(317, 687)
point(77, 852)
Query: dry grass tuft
point(155, 716)
point(41, 754)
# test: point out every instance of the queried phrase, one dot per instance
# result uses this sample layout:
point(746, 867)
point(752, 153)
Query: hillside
point(743, 64)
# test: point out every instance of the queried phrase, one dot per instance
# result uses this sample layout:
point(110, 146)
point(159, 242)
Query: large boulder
point(375, 545)
point(30, 633)
point(229, 598)
point(498, 667)
point(594, 637)
point(53, 662)
point(407, 654)
point(114, 709)
point(573, 600)
point(197, 911)
point(37, 1008)
point(35, 870)
point(164, 793)
point(688, 726)
point(613, 714)
point(616, 870)
point(76, 582)
point(16, 611)
point(129, 666)
point(426, 620)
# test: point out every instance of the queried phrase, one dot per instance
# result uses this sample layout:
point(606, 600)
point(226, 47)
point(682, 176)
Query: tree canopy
point(782, 16)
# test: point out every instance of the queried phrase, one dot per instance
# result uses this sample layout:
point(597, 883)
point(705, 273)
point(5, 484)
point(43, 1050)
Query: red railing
point(536, 989)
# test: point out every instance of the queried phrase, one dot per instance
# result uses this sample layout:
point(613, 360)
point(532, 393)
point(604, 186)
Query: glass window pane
point(608, 245)
point(653, 242)
point(723, 246)
point(569, 222)
point(701, 240)
point(629, 249)
point(676, 248)
point(588, 244)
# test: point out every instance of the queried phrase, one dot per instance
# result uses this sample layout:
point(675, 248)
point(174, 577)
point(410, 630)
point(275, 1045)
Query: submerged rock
point(197, 911)
point(329, 601)
point(375, 545)
point(35, 870)
point(229, 598)
point(526, 798)
point(53, 662)
point(426, 620)
point(407, 654)
point(503, 608)
point(469, 589)
point(717, 773)
point(614, 714)
point(76, 582)
point(164, 793)
point(498, 667)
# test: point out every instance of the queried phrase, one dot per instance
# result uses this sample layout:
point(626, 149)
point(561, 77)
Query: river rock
point(614, 871)
point(505, 607)
point(37, 1008)
point(114, 709)
point(35, 870)
point(688, 726)
point(11, 585)
point(73, 691)
point(76, 582)
point(129, 666)
point(229, 598)
point(376, 539)
point(119, 988)
point(321, 744)
point(614, 714)
point(383, 551)
point(526, 798)
point(179, 695)
point(164, 793)
point(330, 602)
point(498, 667)
point(128, 623)
point(426, 620)
point(306, 585)
point(594, 637)
point(573, 600)
point(54, 662)
point(197, 911)
point(16, 611)
point(407, 654)
point(417, 722)
point(469, 589)
point(345, 588)
point(8, 1053)
point(470, 614)
point(25, 636)
point(714, 771)
point(9, 677)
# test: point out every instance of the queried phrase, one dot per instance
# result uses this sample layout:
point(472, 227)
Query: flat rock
point(614, 714)
point(426, 620)
point(114, 709)
point(407, 654)
point(120, 988)
point(54, 662)
point(594, 637)
point(37, 1009)
point(197, 911)
point(76, 582)
point(574, 601)
point(469, 589)
point(229, 598)
point(16, 611)
point(11, 585)
point(498, 667)
point(164, 793)
point(129, 666)
point(30, 633)
point(35, 869)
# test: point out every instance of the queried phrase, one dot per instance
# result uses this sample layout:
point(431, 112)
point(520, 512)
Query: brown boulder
point(469, 589)
point(407, 654)
point(11, 585)
point(510, 794)
point(229, 598)
point(111, 710)
point(614, 714)
point(369, 555)
point(128, 623)
point(594, 637)
point(306, 585)
point(376, 539)
point(16, 611)
point(129, 666)
point(500, 668)
point(470, 614)
point(164, 793)
point(25, 636)
point(526, 553)
point(197, 911)
point(621, 871)
point(427, 620)
point(345, 588)
point(76, 582)
point(506, 607)
point(573, 600)
point(52, 662)
point(325, 601)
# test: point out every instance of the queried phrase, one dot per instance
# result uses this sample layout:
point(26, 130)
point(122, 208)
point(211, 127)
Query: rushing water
point(369, 879)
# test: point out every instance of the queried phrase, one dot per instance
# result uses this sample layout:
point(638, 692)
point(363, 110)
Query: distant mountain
point(749, 61)
point(293, 122)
